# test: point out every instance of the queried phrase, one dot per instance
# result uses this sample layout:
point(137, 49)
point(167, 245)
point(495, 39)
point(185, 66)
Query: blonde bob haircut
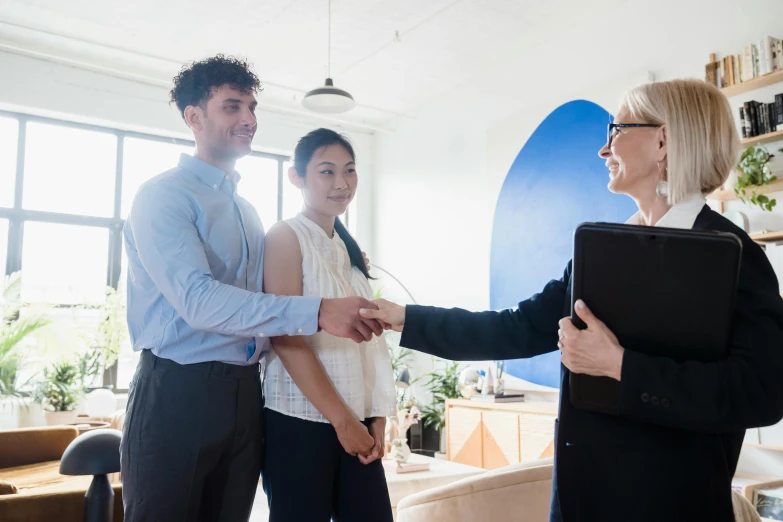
point(701, 136)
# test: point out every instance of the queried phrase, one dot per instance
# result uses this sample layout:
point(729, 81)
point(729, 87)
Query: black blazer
point(673, 450)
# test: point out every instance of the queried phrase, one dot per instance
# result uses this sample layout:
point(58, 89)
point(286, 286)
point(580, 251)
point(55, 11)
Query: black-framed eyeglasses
point(612, 126)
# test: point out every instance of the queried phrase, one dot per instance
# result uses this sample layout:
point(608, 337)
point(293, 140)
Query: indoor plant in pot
point(13, 330)
point(754, 172)
point(444, 384)
point(59, 393)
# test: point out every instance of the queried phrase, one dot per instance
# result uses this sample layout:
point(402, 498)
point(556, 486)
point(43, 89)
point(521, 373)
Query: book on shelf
point(743, 129)
point(779, 108)
point(747, 63)
point(506, 397)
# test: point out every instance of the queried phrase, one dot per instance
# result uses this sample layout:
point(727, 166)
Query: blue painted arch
point(556, 182)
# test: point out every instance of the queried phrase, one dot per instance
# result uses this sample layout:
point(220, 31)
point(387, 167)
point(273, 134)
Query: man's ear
point(194, 117)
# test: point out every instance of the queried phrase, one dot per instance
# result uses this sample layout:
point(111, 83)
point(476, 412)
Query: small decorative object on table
point(500, 382)
point(469, 382)
point(400, 451)
point(489, 384)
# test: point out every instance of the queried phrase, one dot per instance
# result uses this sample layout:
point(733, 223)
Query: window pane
point(64, 264)
point(3, 245)
point(9, 136)
point(292, 196)
point(126, 364)
point(141, 160)
point(69, 170)
point(65, 338)
point(259, 186)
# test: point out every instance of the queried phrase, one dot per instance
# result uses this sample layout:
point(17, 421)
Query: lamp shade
point(97, 452)
point(101, 403)
point(403, 379)
point(328, 99)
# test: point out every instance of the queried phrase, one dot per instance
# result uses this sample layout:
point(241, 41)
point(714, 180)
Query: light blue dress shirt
point(195, 257)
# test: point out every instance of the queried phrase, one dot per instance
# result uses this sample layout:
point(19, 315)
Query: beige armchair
point(518, 493)
point(490, 496)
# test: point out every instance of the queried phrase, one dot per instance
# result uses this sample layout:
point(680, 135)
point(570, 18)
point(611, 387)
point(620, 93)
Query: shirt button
point(260, 334)
point(299, 330)
point(665, 403)
point(214, 187)
point(645, 397)
point(655, 401)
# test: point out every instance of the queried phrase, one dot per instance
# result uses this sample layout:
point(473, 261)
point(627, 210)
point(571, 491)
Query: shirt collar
point(681, 215)
point(208, 174)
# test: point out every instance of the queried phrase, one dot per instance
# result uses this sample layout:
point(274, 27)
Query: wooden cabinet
point(490, 435)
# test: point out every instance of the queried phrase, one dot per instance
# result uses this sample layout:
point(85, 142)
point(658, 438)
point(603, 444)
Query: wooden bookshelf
point(764, 138)
point(769, 237)
point(755, 83)
point(730, 195)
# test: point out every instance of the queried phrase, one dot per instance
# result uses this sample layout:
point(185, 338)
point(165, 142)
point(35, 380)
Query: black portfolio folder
point(664, 292)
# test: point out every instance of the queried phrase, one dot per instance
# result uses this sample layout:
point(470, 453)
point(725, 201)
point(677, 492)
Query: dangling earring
point(662, 189)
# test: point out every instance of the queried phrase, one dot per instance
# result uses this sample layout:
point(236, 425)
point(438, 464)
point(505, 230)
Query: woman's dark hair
point(195, 81)
point(303, 153)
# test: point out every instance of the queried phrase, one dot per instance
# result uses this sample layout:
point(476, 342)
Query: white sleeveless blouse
point(361, 373)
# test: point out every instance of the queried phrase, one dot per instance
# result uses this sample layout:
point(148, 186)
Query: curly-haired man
point(192, 438)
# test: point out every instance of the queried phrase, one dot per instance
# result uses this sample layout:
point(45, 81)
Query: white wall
point(55, 90)
point(437, 178)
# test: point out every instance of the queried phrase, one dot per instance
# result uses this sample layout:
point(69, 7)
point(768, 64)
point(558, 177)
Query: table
point(401, 485)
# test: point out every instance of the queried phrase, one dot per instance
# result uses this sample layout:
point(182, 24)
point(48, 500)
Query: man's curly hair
point(195, 81)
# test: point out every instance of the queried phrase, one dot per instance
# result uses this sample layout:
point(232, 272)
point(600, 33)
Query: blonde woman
point(671, 453)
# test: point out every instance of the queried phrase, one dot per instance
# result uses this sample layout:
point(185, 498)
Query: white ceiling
point(394, 56)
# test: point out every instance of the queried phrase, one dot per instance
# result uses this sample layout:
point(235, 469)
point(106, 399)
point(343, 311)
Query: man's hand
point(354, 438)
point(378, 432)
point(391, 315)
point(341, 317)
point(366, 261)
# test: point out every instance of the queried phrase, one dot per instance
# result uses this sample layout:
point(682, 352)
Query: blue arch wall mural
point(556, 182)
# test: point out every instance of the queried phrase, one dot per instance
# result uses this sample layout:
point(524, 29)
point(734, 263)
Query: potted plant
point(13, 330)
point(105, 341)
point(59, 393)
point(444, 384)
point(754, 172)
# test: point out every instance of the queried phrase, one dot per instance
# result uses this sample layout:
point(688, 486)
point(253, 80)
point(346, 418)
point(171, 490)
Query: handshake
point(358, 319)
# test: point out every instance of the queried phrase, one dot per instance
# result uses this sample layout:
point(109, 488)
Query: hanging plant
point(755, 173)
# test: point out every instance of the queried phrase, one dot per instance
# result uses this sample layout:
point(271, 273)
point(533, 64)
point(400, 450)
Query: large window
point(65, 191)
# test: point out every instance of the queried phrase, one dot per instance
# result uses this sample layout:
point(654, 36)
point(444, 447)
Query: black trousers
point(191, 444)
point(308, 477)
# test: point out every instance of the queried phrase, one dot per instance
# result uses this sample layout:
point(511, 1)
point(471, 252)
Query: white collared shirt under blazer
point(361, 373)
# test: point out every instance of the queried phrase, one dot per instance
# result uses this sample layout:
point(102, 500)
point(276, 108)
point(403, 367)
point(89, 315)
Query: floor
point(260, 510)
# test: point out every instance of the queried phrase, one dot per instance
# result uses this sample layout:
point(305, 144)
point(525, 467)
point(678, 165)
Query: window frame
point(17, 215)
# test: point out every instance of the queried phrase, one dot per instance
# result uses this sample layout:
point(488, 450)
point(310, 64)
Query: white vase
point(57, 418)
point(400, 451)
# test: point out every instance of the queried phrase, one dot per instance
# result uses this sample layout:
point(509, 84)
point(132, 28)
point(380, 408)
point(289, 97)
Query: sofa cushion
point(6, 488)
point(43, 477)
point(31, 445)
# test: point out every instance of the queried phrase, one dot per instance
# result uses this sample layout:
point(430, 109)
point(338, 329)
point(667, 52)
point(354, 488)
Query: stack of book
point(756, 59)
point(393, 466)
point(757, 119)
point(506, 397)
